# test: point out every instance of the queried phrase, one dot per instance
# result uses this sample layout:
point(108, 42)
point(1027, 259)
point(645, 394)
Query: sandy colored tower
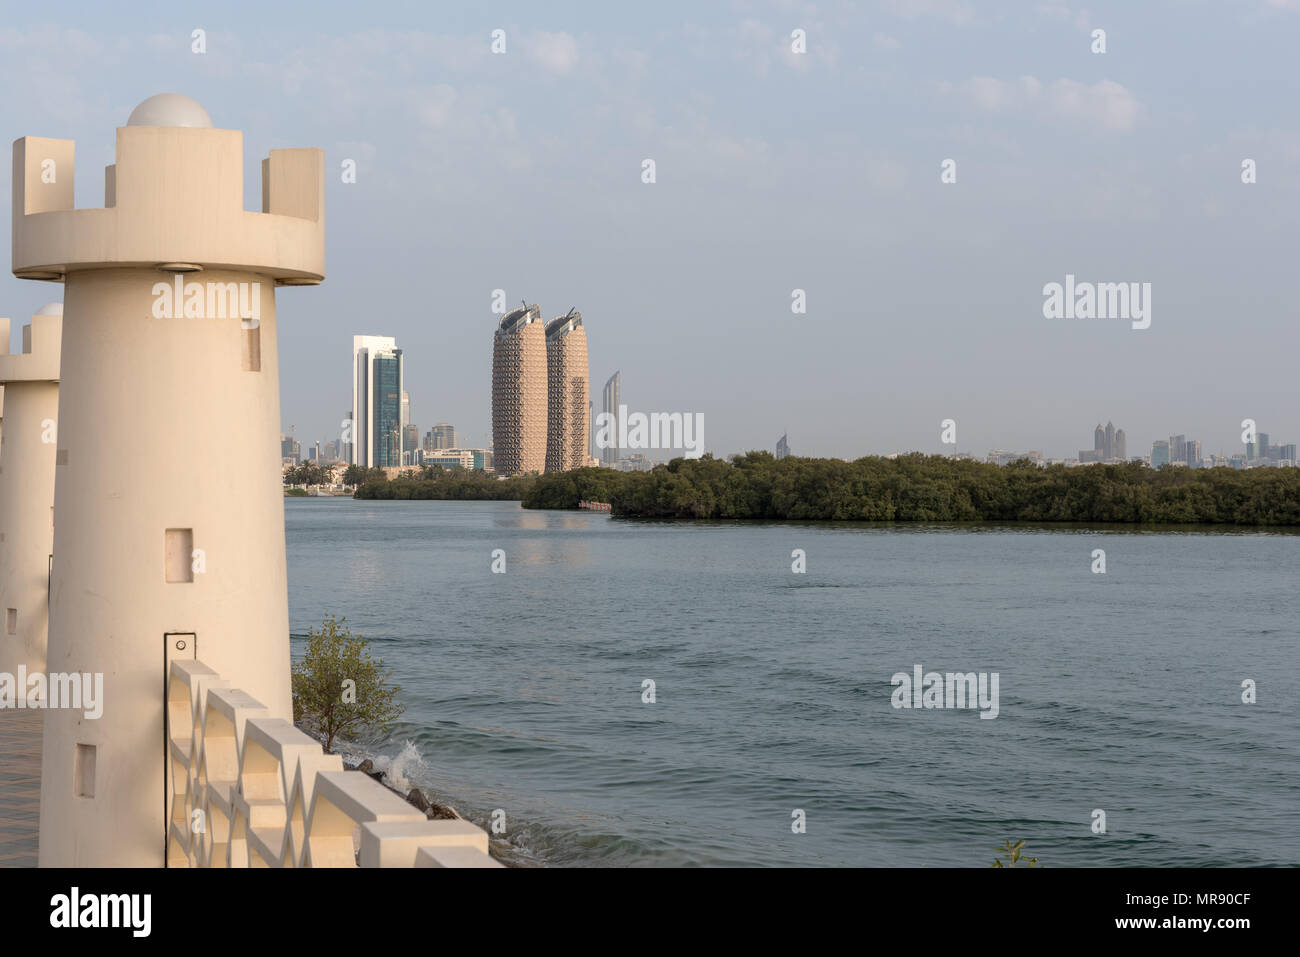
point(169, 332)
point(567, 415)
point(27, 456)
point(519, 392)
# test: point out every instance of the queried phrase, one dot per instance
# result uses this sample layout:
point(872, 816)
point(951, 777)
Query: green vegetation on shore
point(930, 488)
point(435, 482)
point(307, 473)
point(339, 688)
point(910, 488)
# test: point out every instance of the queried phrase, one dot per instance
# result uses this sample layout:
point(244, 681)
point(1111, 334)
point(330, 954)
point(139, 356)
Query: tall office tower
point(1159, 454)
point(444, 436)
point(1099, 441)
point(411, 442)
point(1121, 446)
point(406, 420)
point(519, 392)
point(612, 396)
point(346, 439)
point(782, 447)
point(1263, 445)
point(377, 370)
point(1194, 453)
point(591, 429)
point(1178, 448)
point(567, 393)
point(1108, 443)
point(156, 559)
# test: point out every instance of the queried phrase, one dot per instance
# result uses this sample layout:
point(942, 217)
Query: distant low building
point(468, 459)
point(636, 462)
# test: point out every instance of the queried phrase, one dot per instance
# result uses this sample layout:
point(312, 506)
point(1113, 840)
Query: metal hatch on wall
point(177, 646)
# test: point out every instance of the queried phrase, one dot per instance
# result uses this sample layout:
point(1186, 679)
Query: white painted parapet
point(250, 790)
point(30, 383)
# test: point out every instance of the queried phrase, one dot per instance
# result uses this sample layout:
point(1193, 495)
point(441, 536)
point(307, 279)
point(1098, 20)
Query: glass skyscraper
point(612, 397)
point(377, 373)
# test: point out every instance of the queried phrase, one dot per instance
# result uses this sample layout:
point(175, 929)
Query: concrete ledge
point(394, 844)
point(455, 856)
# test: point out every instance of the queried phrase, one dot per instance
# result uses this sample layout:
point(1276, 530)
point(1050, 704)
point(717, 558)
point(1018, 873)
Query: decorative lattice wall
point(248, 790)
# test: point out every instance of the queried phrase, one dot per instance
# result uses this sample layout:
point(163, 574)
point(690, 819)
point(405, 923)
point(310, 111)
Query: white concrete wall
point(27, 493)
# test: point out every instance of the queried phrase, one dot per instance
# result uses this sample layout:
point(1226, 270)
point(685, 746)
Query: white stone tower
point(27, 451)
point(169, 339)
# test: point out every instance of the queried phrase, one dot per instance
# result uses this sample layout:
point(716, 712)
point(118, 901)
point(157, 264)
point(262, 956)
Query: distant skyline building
point(407, 447)
point(567, 393)
point(782, 446)
point(611, 397)
point(441, 436)
point(411, 444)
point(377, 374)
point(519, 392)
point(1178, 449)
point(470, 459)
point(1109, 444)
point(1159, 454)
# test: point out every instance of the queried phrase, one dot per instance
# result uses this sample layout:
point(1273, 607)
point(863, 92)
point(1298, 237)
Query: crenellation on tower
point(174, 195)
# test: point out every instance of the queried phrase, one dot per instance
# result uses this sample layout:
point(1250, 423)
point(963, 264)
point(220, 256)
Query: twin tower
point(119, 550)
point(540, 412)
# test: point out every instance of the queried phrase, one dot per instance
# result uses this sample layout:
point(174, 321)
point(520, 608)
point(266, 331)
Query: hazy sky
point(775, 171)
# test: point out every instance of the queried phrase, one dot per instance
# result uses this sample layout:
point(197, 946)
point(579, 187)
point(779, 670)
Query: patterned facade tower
point(567, 387)
point(519, 392)
point(27, 456)
point(169, 331)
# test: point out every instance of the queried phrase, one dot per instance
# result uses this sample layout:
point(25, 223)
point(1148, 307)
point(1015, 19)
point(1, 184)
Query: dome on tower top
point(170, 109)
point(52, 309)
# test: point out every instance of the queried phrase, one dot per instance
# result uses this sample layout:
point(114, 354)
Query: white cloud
point(435, 106)
point(556, 52)
point(957, 12)
point(1057, 10)
point(1105, 104)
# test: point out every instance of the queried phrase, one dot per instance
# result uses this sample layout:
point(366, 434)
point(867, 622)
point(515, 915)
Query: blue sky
point(775, 171)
